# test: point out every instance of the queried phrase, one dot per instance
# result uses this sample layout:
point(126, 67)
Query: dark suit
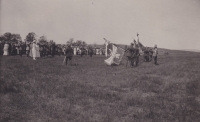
point(129, 54)
point(90, 51)
point(69, 53)
point(155, 54)
point(20, 50)
point(53, 48)
point(129, 51)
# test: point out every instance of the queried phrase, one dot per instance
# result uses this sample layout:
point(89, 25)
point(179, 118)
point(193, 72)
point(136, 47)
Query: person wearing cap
point(27, 50)
point(20, 49)
point(129, 54)
point(68, 54)
point(41, 48)
point(90, 51)
point(59, 50)
point(136, 40)
point(52, 49)
point(136, 54)
point(155, 54)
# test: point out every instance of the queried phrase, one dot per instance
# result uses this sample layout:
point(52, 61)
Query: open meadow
point(45, 90)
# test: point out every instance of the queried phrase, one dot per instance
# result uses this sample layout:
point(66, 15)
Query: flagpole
point(106, 51)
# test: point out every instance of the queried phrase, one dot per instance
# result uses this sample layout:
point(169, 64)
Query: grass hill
point(162, 51)
point(45, 90)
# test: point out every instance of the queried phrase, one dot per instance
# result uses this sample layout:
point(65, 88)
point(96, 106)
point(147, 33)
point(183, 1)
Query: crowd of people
point(32, 49)
point(35, 49)
point(136, 49)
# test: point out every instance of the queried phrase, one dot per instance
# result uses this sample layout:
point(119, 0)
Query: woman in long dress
point(34, 50)
point(5, 49)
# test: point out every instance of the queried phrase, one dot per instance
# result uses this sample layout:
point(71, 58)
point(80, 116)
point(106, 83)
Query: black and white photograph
point(99, 60)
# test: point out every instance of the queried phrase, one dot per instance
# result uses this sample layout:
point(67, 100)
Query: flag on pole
point(116, 56)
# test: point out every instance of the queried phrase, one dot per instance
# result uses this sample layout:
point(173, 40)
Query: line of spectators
point(23, 48)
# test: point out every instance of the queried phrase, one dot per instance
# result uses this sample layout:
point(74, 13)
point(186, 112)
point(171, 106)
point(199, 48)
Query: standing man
point(69, 53)
point(129, 55)
point(90, 51)
point(41, 50)
point(59, 50)
point(52, 49)
point(137, 38)
point(155, 54)
point(20, 49)
point(9, 48)
point(47, 50)
point(27, 50)
point(136, 55)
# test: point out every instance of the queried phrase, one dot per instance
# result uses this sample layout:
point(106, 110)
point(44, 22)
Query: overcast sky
point(172, 24)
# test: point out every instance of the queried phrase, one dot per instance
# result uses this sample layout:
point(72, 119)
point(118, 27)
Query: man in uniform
point(69, 53)
point(136, 54)
point(155, 54)
point(20, 49)
point(59, 50)
point(42, 50)
point(137, 39)
point(129, 54)
point(90, 51)
point(52, 49)
point(47, 50)
point(27, 49)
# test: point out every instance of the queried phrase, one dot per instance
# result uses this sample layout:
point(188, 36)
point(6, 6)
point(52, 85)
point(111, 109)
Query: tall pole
point(106, 51)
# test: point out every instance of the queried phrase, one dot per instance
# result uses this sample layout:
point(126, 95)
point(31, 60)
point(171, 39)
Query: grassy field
point(44, 90)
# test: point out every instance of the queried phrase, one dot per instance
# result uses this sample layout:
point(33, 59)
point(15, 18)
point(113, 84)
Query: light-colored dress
point(34, 50)
point(5, 49)
point(37, 50)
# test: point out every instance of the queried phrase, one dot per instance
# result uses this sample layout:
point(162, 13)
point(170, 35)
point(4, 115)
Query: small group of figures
point(69, 53)
point(90, 51)
point(133, 53)
point(148, 54)
point(11, 49)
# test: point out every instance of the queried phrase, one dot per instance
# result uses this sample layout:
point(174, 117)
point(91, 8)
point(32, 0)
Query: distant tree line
point(10, 38)
point(16, 38)
point(78, 43)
